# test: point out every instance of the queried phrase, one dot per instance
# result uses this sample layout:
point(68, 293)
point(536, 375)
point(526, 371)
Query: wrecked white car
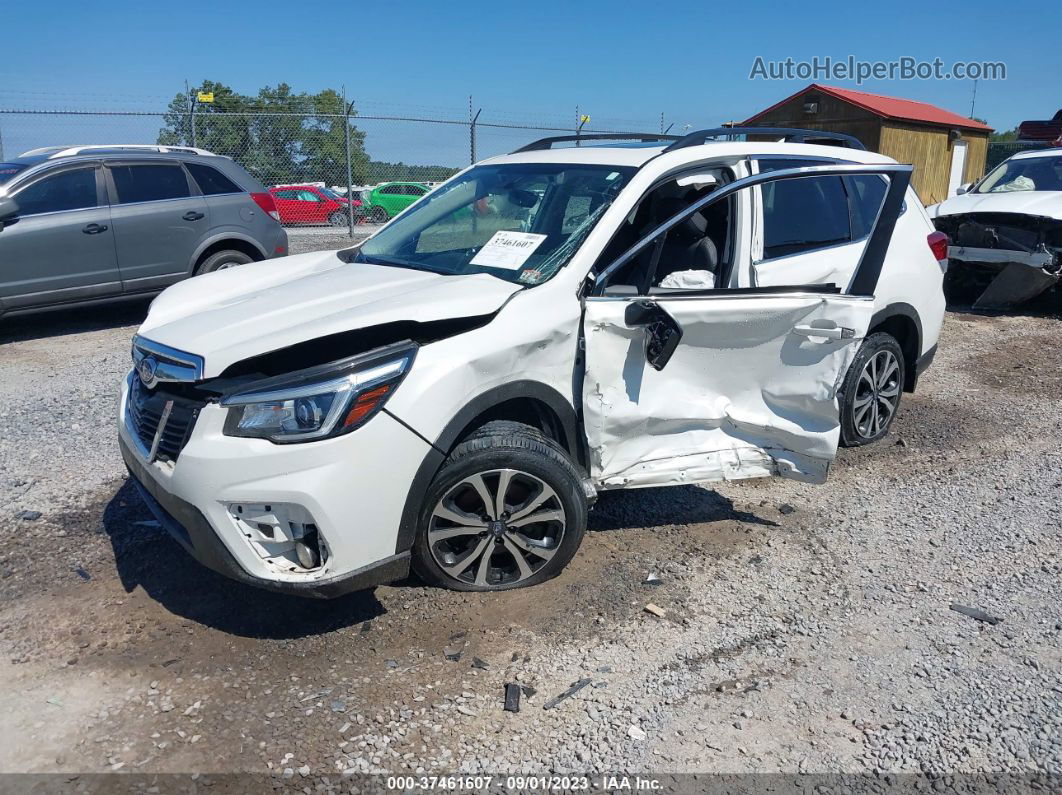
point(454, 392)
point(1006, 230)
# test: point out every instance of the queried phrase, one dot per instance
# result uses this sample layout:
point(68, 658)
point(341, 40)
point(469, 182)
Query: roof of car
point(636, 156)
point(1055, 152)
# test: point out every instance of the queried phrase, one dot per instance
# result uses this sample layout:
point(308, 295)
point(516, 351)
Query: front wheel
point(337, 218)
point(506, 510)
point(870, 394)
point(378, 215)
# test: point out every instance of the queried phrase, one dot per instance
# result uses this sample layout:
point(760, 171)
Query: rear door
point(159, 218)
point(719, 384)
point(62, 247)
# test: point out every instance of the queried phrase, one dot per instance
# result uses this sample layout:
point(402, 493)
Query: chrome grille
point(145, 410)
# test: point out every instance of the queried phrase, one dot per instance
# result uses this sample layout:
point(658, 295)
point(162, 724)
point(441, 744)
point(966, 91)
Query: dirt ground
point(805, 628)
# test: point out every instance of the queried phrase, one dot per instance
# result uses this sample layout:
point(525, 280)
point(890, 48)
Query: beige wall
point(929, 149)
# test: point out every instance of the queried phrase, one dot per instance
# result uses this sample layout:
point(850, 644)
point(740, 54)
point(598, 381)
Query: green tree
point(221, 126)
point(325, 146)
point(282, 136)
point(1005, 135)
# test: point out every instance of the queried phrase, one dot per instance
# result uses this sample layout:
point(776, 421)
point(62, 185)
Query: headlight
point(320, 402)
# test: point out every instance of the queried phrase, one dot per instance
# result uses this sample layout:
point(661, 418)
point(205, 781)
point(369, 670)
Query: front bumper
point(188, 527)
point(354, 486)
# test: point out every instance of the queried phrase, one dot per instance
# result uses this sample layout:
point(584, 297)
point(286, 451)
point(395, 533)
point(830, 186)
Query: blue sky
point(620, 62)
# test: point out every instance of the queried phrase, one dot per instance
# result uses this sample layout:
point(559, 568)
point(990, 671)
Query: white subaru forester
point(454, 392)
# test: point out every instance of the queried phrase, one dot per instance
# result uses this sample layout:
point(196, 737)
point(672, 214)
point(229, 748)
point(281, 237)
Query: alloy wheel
point(496, 528)
point(877, 394)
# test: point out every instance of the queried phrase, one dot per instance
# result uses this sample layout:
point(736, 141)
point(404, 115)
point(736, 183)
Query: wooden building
point(946, 149)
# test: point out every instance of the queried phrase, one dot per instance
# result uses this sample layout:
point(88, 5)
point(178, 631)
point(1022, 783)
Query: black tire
point(221, 260)
point(857, 428)
point(338, 218)
point(531, 459)
point(378, 215)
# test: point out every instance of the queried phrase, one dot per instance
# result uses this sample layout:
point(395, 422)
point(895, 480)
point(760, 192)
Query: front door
point(697, 385)
point(62, 247)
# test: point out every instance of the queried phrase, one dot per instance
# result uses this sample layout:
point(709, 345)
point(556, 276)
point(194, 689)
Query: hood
point(1047, 204)
point(233, 314)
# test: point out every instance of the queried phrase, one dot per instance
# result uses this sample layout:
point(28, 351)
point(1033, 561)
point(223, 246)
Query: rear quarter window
point(211, 182)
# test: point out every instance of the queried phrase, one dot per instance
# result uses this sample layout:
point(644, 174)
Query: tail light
point(265, 201)
point(938, 244)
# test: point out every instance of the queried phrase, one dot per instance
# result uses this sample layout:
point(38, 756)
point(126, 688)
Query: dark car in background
point(312, 204)
point(1048, 131)
point(98, 223)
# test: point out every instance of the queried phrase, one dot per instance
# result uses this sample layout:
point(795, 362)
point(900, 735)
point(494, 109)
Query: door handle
point(94, 229)
point(836, 333)
point(192, 215)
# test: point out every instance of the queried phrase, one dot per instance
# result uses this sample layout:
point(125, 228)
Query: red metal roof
point(888, 107)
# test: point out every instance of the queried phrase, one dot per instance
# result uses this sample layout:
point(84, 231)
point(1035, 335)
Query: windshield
point(521, 223)
point(1024, 174)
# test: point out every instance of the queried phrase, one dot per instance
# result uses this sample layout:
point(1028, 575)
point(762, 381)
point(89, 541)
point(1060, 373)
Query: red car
point(308, 204)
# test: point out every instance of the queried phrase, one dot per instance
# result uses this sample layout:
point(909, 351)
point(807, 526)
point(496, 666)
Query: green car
point(388, 199)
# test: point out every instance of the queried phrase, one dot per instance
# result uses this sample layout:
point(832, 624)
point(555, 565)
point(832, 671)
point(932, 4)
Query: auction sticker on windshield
point(508, 250)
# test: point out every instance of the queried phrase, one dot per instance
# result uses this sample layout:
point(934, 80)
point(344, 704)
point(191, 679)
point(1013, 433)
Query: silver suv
point(96, 223)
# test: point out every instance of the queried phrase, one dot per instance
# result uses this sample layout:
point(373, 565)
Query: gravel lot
point(804, 629)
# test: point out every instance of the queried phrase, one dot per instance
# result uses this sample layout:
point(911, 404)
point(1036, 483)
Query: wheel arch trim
point(904, 310)
point(450, 435)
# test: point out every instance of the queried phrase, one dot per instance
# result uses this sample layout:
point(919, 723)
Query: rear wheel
point(506, 510)
point(870, 395)
point(222, 260)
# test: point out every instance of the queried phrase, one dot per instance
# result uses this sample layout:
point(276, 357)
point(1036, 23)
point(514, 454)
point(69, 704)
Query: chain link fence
point(998, 151)
point(311, 161)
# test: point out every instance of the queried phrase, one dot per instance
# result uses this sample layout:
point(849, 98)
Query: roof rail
point(547, 143)
point(60, 151)
point(787, 134)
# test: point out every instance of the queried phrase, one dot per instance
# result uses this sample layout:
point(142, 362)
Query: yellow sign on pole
point(584, 118)
point(205, 96)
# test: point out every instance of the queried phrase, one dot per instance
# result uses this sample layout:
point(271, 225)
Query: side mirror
point(662, 332)
point(8, 211)
point(959, 191)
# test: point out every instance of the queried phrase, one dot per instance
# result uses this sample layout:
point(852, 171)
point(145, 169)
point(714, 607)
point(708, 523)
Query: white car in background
point(1006, 229)
point(455, 391)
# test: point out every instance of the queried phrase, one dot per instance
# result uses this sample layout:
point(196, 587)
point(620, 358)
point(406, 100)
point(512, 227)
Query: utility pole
point(973, 100)
point(191, 113)
point(350, 176)
point(472, 119)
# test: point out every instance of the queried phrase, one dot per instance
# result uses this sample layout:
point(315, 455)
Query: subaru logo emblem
point(146, 370)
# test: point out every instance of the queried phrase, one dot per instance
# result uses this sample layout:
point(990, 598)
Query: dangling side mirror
point(662, 332)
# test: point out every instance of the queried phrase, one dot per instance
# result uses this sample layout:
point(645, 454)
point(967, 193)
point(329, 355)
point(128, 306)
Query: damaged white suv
point(454, 392)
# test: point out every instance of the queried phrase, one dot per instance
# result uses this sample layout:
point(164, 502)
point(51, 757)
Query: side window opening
point(149, 182)
point(695, 254)
point(73, 189)
point(802, 215)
